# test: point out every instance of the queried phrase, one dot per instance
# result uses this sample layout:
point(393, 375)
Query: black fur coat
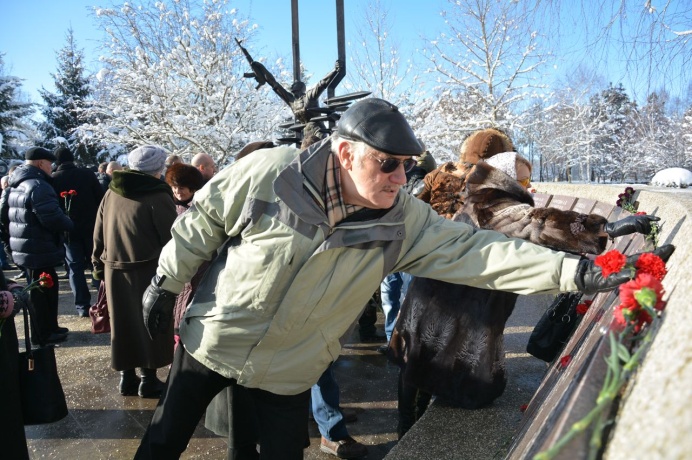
point(449, 338)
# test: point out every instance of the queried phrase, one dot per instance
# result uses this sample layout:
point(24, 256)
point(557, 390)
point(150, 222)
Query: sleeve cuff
point(569, 270)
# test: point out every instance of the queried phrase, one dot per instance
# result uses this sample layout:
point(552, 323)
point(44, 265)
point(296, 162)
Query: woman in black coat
point(12, 437)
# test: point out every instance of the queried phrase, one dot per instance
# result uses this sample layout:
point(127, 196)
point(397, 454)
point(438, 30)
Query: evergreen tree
point(13, 112)
point(65, 110)
point(613, 112)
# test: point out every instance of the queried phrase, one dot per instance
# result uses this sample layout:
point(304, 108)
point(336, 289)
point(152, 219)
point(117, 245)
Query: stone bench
point(558, 396)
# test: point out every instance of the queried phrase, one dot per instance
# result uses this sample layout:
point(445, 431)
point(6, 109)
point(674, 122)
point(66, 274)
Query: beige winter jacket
point(286, 286)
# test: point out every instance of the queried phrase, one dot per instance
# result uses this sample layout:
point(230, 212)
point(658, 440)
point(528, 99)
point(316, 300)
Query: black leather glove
point(664, 252)
point(631, 224)
point(590, 280)
point(157, 307)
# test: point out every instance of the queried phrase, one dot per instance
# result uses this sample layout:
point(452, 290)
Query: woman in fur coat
point(453, 348)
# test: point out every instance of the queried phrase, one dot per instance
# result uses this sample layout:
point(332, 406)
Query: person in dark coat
point(12, 436)
point(184, 181)
point(80, 194)
point(33, 225)
point(103, 178)
point(133, 223)
point(455, 349)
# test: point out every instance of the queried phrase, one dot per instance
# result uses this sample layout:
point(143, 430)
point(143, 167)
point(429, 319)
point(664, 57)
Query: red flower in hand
point(611, 262)
point(583, 307)
point(644, 289)
point(63, 194)
point(72, 192)
point(45, 280)
point(565, 360)
point(651, 264)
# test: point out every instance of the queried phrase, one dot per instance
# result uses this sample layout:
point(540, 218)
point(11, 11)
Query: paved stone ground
point(102, 424)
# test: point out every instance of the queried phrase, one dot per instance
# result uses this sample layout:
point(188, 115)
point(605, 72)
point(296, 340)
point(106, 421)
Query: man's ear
point(346, 155)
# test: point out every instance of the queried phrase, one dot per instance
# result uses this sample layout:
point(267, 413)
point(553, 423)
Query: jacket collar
point(301, 184)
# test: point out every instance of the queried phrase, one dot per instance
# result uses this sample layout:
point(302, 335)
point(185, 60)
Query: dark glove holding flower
point(590, 278)
point(631, 224)
point(157, 306)
point(12, 301)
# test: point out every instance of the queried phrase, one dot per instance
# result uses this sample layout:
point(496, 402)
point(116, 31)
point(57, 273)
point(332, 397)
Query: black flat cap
point(379, 124)
point(63, 155)
point(38, 153)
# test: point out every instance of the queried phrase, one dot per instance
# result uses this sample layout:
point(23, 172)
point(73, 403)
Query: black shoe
point(129, 383)
point(61, 330)
point(344, 448)
point(150, 386)
point(53, 338)
point(382, 349)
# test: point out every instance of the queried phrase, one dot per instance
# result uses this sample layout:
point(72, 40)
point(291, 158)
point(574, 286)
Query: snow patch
point(672, 177)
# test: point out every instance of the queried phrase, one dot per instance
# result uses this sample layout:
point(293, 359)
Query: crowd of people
point(245, 281)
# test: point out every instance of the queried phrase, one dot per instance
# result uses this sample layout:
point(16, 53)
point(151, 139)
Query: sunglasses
point(389, 164)
point(525, 182)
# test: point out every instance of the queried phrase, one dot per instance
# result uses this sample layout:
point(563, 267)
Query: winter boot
point(128, 382)
point(150, 386)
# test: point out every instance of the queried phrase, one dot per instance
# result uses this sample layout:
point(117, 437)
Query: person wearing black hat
point(32, 225)
point(83, 193)
point(302, 239)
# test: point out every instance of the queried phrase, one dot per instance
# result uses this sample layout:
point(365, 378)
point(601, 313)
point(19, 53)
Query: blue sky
point(33, 31)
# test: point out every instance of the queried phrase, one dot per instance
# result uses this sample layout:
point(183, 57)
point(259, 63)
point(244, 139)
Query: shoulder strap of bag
point(27, 337)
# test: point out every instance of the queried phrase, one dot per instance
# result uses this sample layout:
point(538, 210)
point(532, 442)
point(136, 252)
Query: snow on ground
point(672, 177)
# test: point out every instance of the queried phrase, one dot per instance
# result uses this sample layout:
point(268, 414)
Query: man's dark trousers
point(76, 251)
point(283, 420)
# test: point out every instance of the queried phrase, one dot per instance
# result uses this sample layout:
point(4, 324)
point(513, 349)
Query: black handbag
point(41, 394)
point(555, 327)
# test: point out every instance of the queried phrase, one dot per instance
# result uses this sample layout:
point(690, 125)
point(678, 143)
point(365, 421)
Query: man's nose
point(399, 175)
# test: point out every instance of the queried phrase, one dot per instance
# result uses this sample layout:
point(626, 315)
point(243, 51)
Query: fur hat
point(63, 155)
point(184, 175)
point(38, 153)
point(147, 158)
point(484, 144)
point(379, 124)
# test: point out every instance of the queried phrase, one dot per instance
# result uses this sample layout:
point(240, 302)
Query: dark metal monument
point(308, 115)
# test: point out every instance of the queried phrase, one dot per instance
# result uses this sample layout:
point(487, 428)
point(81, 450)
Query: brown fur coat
point(449, 338)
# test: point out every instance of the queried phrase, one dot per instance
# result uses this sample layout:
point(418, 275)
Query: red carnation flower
point(63, 194)
point(583, 307)
point(611, 262)
point(565, 360)
point(45, 280)
point(651, 264)
point(72, 192)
